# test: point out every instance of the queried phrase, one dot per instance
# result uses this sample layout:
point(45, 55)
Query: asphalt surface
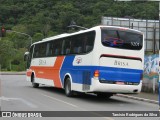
point(18, 95)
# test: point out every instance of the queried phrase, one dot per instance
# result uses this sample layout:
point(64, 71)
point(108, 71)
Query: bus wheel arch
point(35, 85)
point(67, 75)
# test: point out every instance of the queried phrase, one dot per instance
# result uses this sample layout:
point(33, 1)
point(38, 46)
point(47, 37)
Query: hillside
point(44, 18)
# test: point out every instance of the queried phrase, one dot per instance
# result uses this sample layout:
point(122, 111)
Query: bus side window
point(67, 51)
point(51, 50)
point(79, 49)
point(75, 50)
point(67, 47)
point(47, 50)
point(36, 51)
point(57, 47)
point(56, 51)
point(41, 50)
point(79, 44)
point(89, 41)
point(88, 48)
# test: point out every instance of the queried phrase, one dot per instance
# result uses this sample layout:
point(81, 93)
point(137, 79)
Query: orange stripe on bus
point(52, 72)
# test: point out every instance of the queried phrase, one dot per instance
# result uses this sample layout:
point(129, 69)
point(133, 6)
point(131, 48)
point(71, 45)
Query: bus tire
point(67, 87)
point(34, 85)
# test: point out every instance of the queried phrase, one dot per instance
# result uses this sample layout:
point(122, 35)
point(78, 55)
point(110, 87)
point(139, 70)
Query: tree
point(7, 51)
point(37, 37)
point(44, 18)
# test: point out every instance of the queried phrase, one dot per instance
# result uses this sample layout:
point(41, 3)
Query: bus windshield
point(123, 39)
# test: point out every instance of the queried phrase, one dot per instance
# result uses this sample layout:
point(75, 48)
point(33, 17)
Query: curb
point(12, 73)
point(138, 98)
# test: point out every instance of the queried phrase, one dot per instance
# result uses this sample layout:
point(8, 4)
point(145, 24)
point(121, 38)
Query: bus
point(103, 60)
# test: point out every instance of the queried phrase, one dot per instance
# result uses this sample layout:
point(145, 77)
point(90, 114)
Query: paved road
point(18, 95)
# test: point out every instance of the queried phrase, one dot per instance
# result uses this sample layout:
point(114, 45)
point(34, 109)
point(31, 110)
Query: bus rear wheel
point(35, 85)
point(67, 87)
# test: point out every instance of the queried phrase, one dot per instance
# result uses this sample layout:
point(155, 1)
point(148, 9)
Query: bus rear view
point(121, 60)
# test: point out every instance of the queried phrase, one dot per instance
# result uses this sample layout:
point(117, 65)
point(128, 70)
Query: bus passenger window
point(79, 50)
point(88, 48)
point(89, 41)
point(75, 50)
point(67, 51)
point(47, 50)
point(36, 51)
point(36, 54)
point(56, 52)
point(51, 51)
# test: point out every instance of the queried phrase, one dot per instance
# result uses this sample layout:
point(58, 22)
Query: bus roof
point(82, 31)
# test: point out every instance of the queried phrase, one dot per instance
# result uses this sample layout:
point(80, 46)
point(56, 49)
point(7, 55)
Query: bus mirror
point(26, 56)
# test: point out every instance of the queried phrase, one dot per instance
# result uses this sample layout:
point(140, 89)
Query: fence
point(150, 28)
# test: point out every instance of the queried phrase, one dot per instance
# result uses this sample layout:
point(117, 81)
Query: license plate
point(120, 83)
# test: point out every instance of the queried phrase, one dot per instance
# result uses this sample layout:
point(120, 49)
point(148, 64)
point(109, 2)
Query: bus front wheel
point(35, 85)
point(67, 88)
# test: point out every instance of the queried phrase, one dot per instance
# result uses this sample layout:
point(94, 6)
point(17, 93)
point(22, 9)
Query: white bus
point(104, 60)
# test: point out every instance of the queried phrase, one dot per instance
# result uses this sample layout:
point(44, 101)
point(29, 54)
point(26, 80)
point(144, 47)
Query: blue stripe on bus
point(79, 74)
point(83, 74)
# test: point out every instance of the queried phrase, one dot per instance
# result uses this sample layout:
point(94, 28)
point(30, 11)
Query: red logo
point(78, 60)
